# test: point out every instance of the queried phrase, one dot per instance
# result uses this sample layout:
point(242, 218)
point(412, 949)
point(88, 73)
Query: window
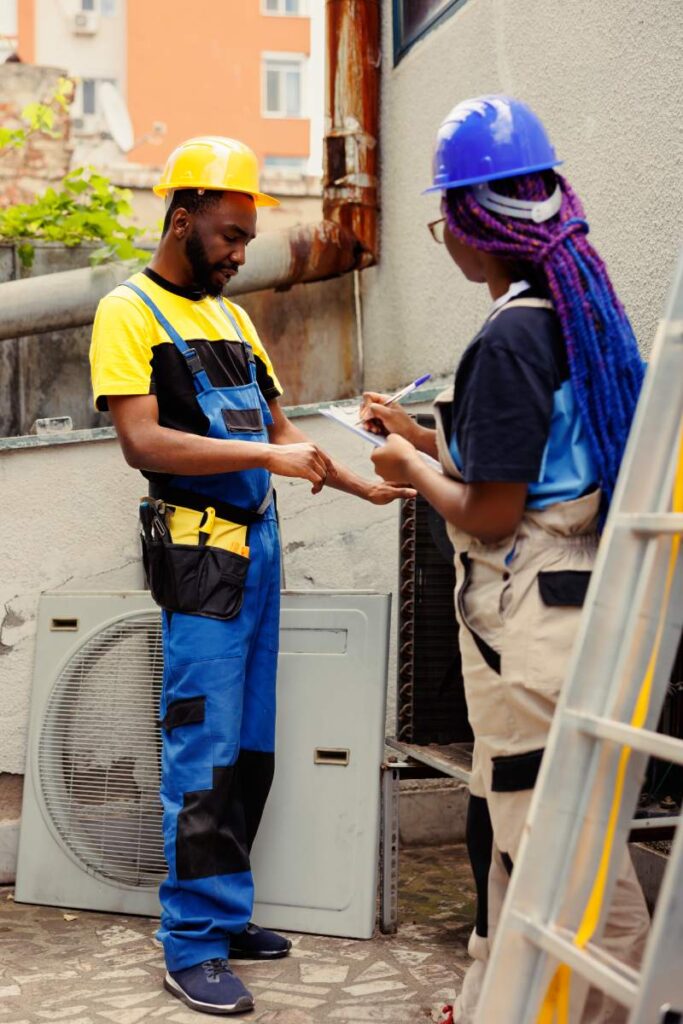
point(86, 110)
point(414, 18)
point(87, 5)
point(283, 86)
point(283, 6)
point(88, 102)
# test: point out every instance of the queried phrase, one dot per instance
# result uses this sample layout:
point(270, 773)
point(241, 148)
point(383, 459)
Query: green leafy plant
point(86, 207)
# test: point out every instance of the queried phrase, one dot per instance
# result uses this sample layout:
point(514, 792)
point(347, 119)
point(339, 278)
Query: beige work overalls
point(518, 604)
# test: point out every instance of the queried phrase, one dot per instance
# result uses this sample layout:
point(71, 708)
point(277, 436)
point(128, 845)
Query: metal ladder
point(601, 737)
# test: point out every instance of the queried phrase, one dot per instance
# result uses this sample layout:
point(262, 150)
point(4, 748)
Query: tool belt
point(199, 502)
point(205, 577)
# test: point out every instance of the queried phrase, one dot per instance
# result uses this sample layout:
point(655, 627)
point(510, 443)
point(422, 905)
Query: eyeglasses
point(437, 229)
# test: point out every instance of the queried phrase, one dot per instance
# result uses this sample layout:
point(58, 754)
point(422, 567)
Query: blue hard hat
point(487, 138)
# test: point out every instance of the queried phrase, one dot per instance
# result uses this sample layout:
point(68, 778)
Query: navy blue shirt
point(514, 416)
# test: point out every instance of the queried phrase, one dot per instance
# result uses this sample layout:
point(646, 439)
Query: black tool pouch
point(189, 578)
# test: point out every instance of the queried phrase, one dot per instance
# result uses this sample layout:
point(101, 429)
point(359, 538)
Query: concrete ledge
point(293, 412)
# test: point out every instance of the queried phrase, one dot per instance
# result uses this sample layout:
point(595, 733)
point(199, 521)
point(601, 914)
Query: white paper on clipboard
point(348, 416)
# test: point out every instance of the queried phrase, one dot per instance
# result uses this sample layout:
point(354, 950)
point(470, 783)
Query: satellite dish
point(117, 117)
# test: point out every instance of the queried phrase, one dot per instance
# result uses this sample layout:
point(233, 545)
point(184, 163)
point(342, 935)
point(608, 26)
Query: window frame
point(403, 45)
point(82, 122)
point(295, 60)
point(282, 11)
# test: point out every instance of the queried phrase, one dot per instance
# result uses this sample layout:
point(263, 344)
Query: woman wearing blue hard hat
point(530, 437)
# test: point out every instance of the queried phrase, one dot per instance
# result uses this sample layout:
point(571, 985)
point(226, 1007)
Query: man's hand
point(303, 460)
point(286, 437)
point(393, 460)
point(383, 494)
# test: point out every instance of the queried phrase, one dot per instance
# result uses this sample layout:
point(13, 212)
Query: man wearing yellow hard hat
point(195, 402)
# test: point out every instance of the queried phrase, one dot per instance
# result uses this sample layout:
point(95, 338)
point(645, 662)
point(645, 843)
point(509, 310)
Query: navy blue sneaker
point(256, 943)
point(210, 987)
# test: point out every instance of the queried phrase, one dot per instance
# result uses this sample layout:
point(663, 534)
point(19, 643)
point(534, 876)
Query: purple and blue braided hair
point(604, 364)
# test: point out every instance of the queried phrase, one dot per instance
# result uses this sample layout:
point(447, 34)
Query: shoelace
point(214, 968)
point(448, 1015)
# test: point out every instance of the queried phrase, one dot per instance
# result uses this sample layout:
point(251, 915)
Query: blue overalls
point(218, 699)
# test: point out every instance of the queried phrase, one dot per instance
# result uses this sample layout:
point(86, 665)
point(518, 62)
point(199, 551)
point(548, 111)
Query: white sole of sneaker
point(243, 1005)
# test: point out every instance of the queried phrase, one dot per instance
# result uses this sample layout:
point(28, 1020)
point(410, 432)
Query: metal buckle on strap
point(250, 352)
point(193, 361)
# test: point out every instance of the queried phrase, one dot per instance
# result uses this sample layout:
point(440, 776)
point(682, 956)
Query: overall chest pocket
point(243, 421)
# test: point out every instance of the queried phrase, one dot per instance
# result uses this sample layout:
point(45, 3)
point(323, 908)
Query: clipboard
point(348, 416)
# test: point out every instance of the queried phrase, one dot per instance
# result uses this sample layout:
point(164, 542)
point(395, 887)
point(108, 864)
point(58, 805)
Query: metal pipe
point(277, 259)
point(352, 119)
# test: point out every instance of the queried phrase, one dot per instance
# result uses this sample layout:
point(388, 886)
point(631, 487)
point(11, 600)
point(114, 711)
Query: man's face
point(216, 243)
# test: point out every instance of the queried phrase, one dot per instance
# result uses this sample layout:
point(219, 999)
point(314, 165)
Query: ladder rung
point(666, 748)
point(615, 979)
point(650, 523)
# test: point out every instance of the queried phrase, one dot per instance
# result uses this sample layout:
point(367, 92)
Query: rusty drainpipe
point(352, 121)
point(345, 239)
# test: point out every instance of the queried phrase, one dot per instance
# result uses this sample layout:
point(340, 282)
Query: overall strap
point(199, 377)
point(247, 347)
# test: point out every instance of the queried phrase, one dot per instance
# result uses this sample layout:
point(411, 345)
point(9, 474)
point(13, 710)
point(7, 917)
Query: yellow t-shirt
point(131, 353)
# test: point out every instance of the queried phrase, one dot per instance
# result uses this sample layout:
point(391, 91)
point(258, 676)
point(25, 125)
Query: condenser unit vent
point(91, 820)
point(85, 23)
point(98, 755)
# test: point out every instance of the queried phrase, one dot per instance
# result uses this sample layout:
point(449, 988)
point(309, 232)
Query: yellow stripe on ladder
point(555, 1007)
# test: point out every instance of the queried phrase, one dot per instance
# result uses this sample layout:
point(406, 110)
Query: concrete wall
point(69, 522)
point(607, 79)
point(47, 374)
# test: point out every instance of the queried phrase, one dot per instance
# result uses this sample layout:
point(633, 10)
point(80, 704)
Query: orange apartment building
point(252, 69)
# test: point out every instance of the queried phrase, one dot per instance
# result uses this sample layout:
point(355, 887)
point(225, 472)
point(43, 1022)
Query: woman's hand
point(380, 418)
point(393, 461)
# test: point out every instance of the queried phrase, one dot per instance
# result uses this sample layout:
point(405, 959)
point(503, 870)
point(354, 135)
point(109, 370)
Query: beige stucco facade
point(607, 79)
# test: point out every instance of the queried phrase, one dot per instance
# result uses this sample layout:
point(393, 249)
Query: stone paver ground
point(88, 968)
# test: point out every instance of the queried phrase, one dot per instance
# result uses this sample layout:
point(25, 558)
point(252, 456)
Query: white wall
point(69, 522)
point(102, 55)
point(607, 79)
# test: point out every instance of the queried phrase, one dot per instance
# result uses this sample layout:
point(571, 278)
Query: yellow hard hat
point(212, 161)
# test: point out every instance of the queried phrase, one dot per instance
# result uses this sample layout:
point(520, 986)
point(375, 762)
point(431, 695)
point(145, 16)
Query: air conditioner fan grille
point(99, 753)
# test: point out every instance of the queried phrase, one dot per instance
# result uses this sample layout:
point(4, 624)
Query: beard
point(202, 269)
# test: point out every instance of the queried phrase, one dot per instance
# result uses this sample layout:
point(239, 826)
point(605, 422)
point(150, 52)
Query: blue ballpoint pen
point(407, 390)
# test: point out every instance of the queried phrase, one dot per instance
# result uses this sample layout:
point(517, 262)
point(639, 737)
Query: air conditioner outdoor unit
point(85, 23)
point(91, 819)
